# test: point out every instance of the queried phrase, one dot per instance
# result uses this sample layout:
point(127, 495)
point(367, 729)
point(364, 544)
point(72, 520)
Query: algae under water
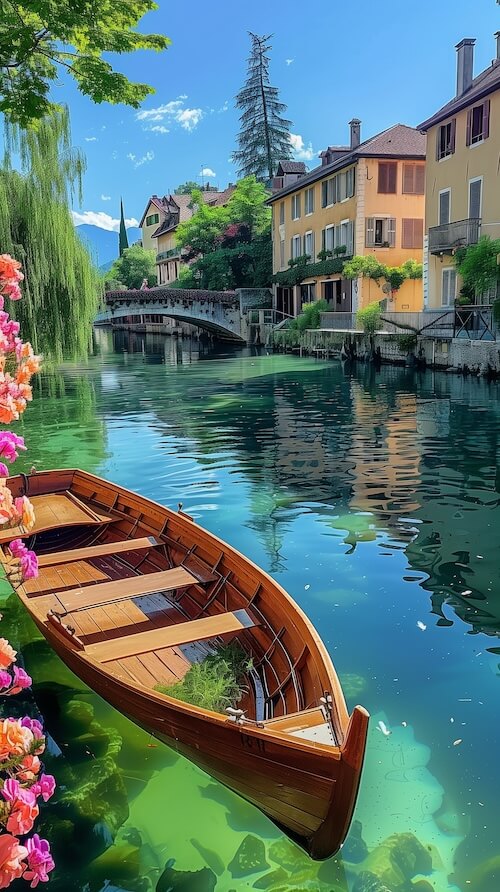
point(373, 497)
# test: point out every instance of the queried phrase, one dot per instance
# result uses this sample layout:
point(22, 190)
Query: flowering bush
point(22, 781)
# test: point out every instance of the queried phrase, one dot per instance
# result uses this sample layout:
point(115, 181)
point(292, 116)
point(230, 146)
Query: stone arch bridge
point(228, 315)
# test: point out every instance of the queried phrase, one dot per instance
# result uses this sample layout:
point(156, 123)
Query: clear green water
point(373, 498)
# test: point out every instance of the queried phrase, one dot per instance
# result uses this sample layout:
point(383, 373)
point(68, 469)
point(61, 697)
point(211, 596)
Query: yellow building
point(159, 224)
point(364, 199)
point(463, 175)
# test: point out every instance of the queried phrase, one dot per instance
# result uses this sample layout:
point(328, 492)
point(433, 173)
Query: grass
point(214, 683)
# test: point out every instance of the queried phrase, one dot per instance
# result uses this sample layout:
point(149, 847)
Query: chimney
point(465, 64)
point(355, 126)
point(497, 36)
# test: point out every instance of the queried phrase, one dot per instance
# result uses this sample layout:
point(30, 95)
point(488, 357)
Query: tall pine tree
point(264, 137)
point(123, 237)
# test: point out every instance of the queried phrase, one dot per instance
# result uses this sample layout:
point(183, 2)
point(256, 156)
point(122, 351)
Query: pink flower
point(9, 443)
point(44, 786)
point(21, 681)
point(30, 767)
point(11, 790)
point(17, 548)
point(40, 861)
point(5, 679)
point(23, 813)
point(33, 725)
point(29, 565)
point(11, 860)
point(4, 471)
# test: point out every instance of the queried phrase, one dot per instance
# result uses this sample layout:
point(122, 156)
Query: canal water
point(373, 498)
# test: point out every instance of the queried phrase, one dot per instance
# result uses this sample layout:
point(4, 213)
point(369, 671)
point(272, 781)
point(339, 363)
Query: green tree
point(39, 37)
point(264, 137)
point(371, 268)
point(478, 265)
point(200, 233)
point(134, 265)
point(61, 286)
point(369, 318)
point(247, 205)
point(188, 187)
point(123, 237)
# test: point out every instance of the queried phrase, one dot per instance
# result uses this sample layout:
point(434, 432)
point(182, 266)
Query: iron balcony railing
point(449, 236)
point(168, 255)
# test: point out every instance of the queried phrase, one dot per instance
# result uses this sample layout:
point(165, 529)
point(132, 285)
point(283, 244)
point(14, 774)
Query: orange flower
point(15, 740)
point(31, 766)
point(11, 857)
point(7, 654)
point(10, 268)
point(25, 510)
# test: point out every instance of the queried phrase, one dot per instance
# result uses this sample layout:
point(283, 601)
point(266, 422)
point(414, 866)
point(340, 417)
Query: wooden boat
point(131, 593)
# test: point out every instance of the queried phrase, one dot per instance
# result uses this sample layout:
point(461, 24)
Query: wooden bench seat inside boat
point(123, 589)
point(170, 636)
point(55, 510)
point(92, 551)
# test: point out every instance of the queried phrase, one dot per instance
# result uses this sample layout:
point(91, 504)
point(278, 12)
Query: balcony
point(168, 255)
point(445, 239)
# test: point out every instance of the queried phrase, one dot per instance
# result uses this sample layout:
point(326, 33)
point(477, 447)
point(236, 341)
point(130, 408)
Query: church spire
point(123, 239)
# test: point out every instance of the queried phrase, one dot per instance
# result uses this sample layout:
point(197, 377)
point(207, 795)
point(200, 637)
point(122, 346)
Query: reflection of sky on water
point(373, 499)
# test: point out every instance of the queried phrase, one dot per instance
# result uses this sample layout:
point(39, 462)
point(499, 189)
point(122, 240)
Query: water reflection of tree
point(63, 428)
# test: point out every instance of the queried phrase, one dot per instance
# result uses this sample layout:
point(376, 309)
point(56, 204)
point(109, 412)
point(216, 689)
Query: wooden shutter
point(408, 178)
point(391, 232)
point(418, 234)
point(291, 249)
point(324, 193)
point(453, 133)
point(350, 237)
point(392, 179)
point(313, 256)
point(370, 232)
point(387, 177)
point(475, 187)
point(438, 143)
point(407, 234)
point(486, 118)
point(323, 240)
point(419, 179)
point(382, 177)
point(468, 136)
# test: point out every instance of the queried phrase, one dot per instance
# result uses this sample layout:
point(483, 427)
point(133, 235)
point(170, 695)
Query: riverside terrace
point(241, 316)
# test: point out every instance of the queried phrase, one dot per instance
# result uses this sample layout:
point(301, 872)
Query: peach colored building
point(365, 198)
point(463, 175)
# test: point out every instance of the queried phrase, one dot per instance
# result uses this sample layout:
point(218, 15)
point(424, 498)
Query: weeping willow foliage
point(61, 287)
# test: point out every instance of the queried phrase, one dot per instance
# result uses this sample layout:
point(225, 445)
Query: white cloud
point(159, 128)
point(145, 159)
point(182, 96)
point(90, 138)
point(105, 197)
point(208, 172)
point(131, 157)
point(102, 220)
point(172, 112)
point(301, 151)
point(289, 61)
point(224, 108)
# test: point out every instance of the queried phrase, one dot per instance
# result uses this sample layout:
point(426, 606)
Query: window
point(295, 207)
point(328, 192)
point(380, 232)
point(282, 213)
point(309, 201)
point(350, 182)
point(413, 179)
point(412, 234)
point(328, 238)
point(478, 123)
point(344, 236)
point(296, 247)
point(309, 244)
point(444, 207)
point(152, 219)
point(282, 253)
point(475, 198)
point(307, 293)
point(445, 139)
point(387, 177)
point(449, 286)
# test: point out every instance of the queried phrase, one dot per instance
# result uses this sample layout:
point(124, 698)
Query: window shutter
point(418, 234)
point(338, 236)
point(453, 131)
point(392, 180)
point(382, 177)
point(420, 179)
point(323, 240)
point(408, 178)
point(486, 118)
point(438, 143)
point(291, 248)
point(475, 199)
point(324, 194)
point(370, 232)
point(407, 234)
point(444, 208)
point(468, 137)
point(391, 232)
point(350, 237)
point(313, 256)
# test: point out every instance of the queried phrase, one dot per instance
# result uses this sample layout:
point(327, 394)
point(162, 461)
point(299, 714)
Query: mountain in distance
point(103, 244)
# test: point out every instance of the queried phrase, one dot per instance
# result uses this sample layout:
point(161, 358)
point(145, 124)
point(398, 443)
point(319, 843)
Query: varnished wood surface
point(53, 511)
point(93, 551)
point(166, 580)
point(156, 639)
point(307, 787)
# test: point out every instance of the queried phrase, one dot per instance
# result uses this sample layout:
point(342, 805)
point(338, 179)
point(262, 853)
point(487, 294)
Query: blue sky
point(384, 63)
